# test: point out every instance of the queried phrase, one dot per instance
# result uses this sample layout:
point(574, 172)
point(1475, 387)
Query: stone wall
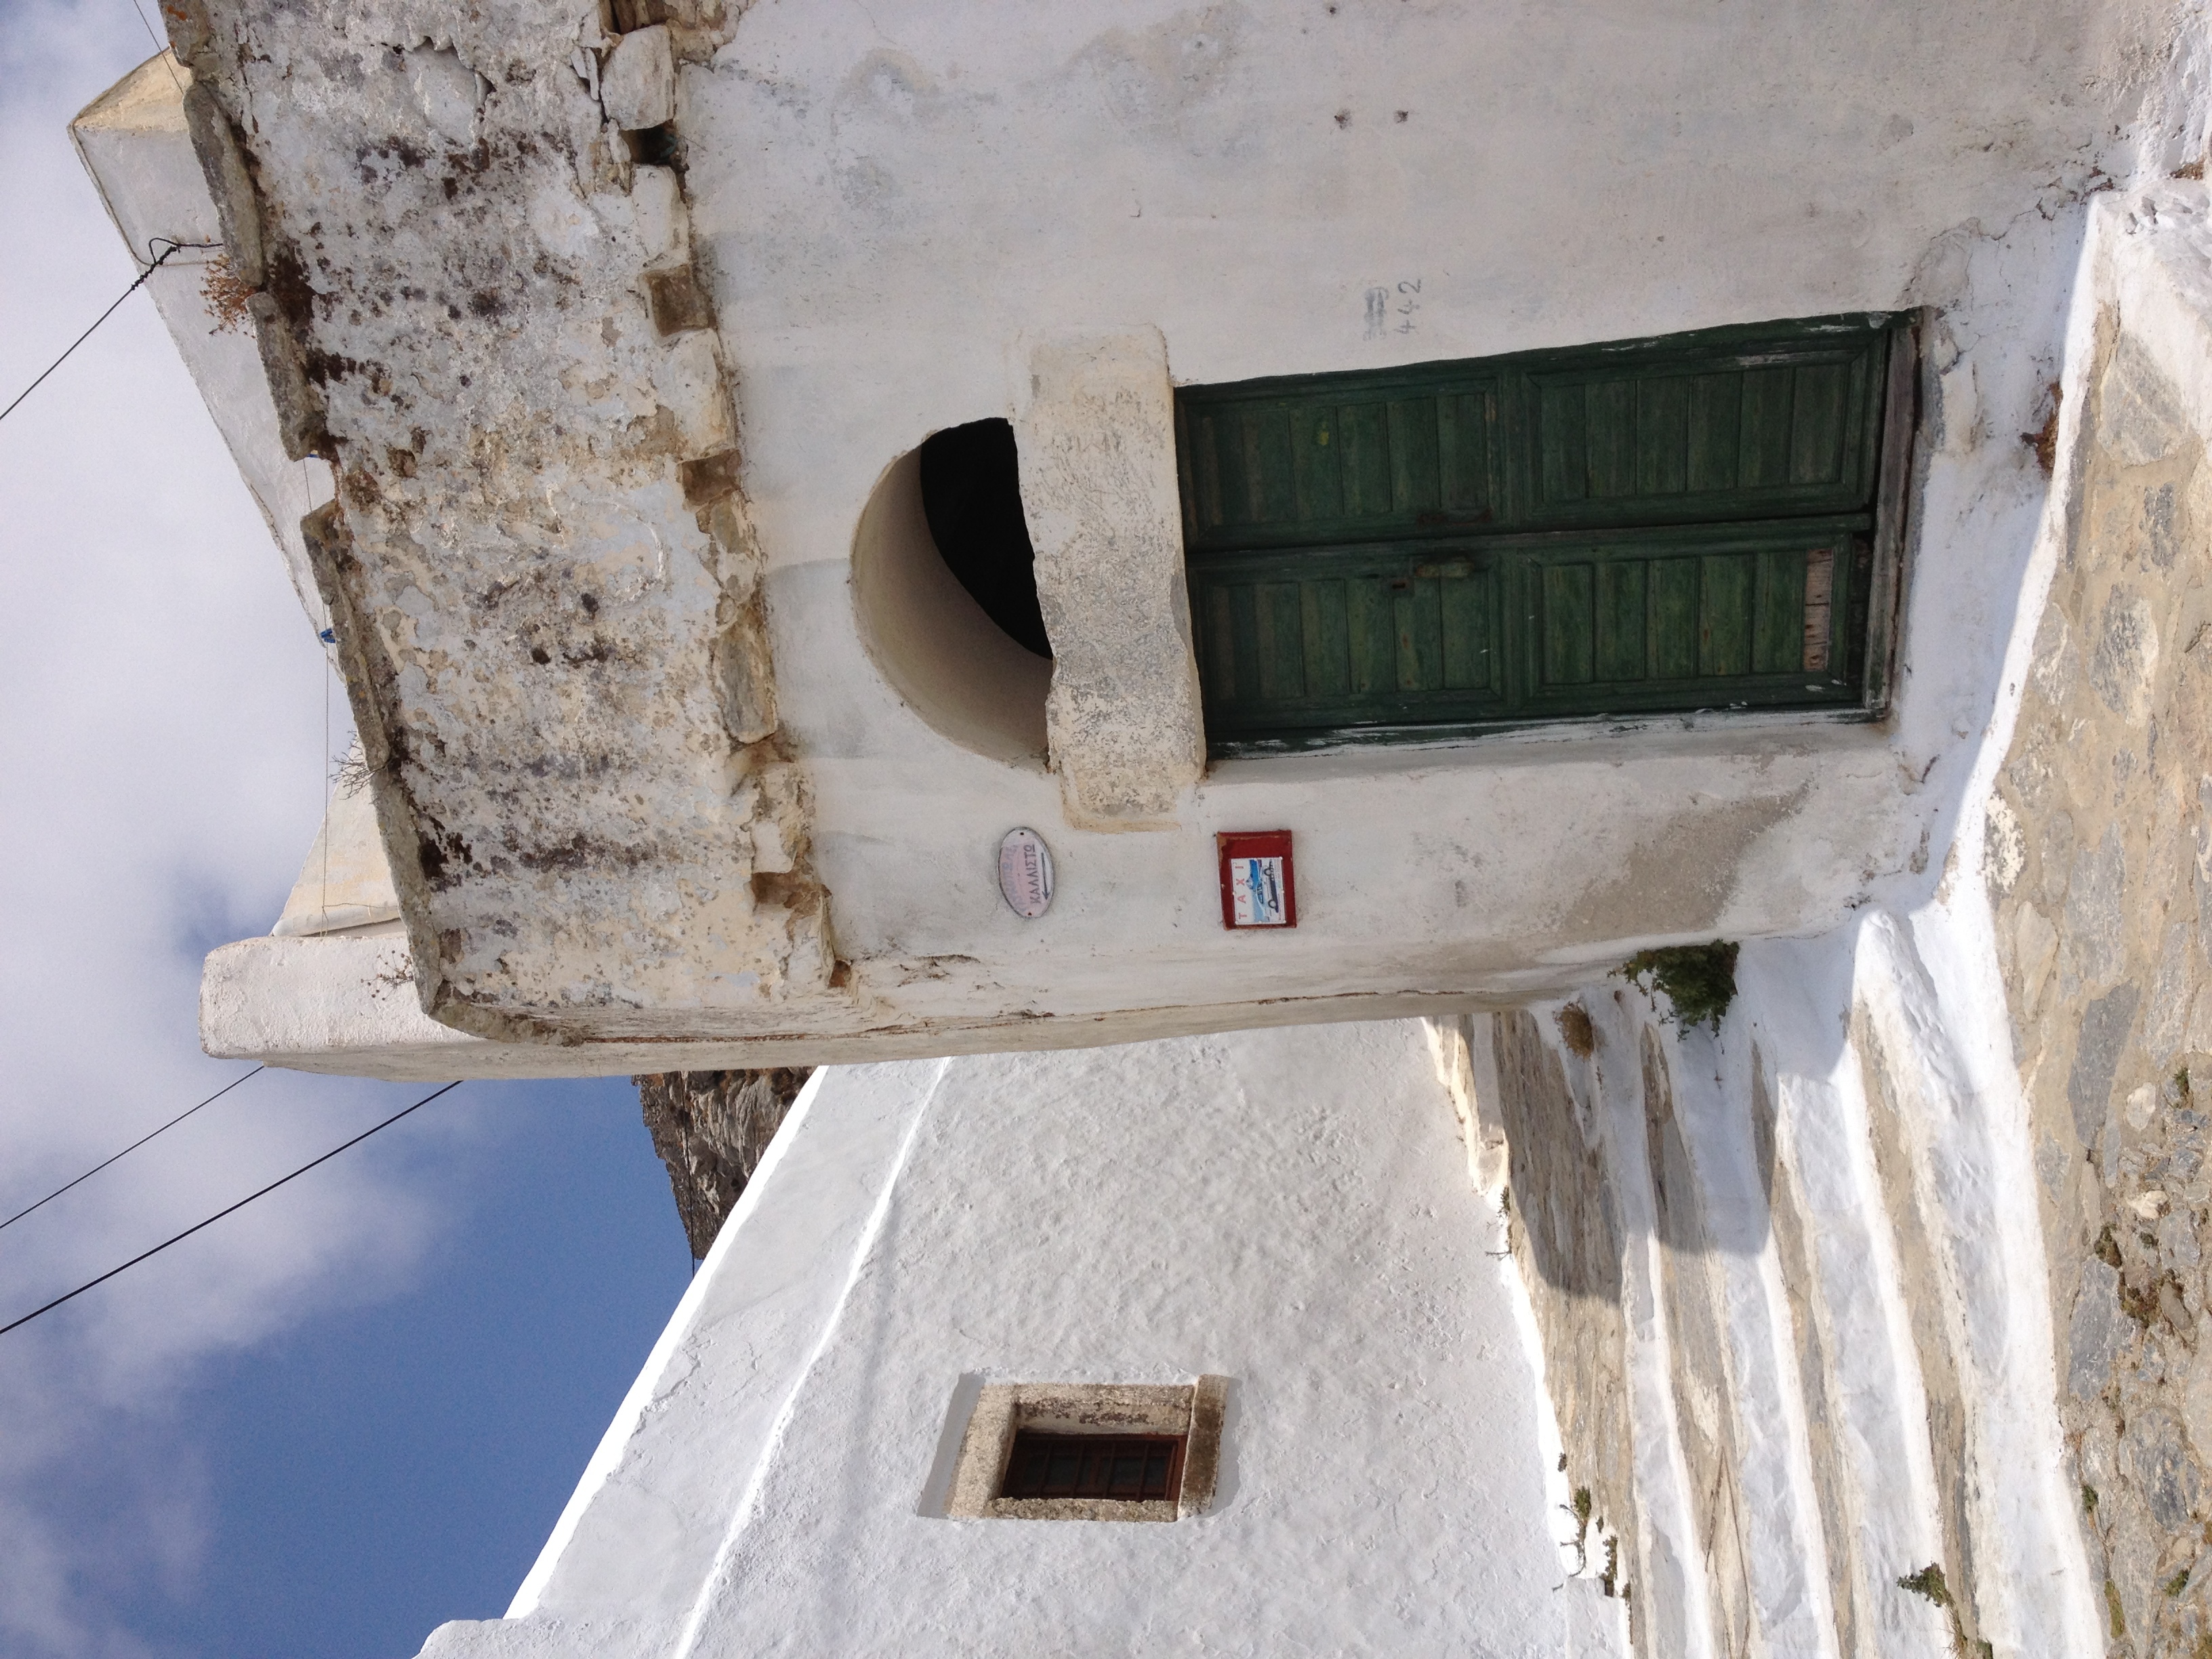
point(2099, 865)
point(476, 297)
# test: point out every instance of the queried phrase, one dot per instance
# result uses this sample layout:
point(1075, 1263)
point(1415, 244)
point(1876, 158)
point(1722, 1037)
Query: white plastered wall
point(939, 188)
point(1289, 1209)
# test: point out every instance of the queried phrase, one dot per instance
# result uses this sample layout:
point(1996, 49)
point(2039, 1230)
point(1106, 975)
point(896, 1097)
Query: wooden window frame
point(1860, 522)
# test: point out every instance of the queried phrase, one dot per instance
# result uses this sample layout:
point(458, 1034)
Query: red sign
point(1258, 889)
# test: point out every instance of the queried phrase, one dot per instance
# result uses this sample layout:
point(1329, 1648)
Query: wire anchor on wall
point(158, 260)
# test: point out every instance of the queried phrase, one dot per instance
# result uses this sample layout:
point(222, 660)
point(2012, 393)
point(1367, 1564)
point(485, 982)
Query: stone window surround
point(1194, 1410)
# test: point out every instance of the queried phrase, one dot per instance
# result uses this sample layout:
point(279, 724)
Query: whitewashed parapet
point(483, 312)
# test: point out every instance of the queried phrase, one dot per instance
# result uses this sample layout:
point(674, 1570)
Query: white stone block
point(658, 214)
point(637, 83)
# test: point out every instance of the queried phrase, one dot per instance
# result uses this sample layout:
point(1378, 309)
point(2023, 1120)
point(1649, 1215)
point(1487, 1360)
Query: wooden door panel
point(1380, 637)
point(1653, 622)
point(1662, 525)
point(1670, 442)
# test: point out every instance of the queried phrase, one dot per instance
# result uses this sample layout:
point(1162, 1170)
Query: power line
point(133, 1147)
point(161, 48)
point(143, 1254)
point(159, 260)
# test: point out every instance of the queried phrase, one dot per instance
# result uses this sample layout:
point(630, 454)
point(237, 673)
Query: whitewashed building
point(1479, 495)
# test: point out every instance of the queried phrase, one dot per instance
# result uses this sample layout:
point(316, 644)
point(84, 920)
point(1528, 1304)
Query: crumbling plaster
point(544, 585)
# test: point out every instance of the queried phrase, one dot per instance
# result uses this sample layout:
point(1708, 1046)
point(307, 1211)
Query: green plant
point(1699, 980)
point(1581, 1511)
point(2088, 1498)
point(2178, 1584)
point(1928, 1582)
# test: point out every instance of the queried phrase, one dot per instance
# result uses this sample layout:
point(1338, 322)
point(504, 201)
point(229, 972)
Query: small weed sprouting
point(2178, 1583)
point(2143, 1302)
point(1575, 1029)
point(1699, 980)
point(2112, 1608)
point(2088, 1498)
point(2044, 440)
point(1580, 1509)
point(1611, 1576)
point(1928, 1582)
point(226, 293)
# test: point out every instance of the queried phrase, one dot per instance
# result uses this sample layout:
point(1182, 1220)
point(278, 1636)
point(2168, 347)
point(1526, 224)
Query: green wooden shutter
point(1662, 526)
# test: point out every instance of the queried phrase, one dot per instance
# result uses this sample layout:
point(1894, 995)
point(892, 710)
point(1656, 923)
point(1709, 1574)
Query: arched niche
point(964, 673)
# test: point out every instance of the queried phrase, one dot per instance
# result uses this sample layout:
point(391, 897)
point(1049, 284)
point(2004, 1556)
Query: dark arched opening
point(971, 495)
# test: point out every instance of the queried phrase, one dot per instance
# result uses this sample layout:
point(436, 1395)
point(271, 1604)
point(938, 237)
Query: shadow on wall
point(974, 675)
point(1567, 1205)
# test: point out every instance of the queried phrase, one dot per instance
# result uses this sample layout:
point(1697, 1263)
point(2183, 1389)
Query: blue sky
point(351, 1411)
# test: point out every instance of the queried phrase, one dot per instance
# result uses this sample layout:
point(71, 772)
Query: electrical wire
point(159, 261)
point(133, 1147)
point(161, 48)
point(90, 1283)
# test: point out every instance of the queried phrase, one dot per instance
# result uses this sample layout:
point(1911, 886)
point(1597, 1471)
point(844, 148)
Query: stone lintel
point(1095, 422)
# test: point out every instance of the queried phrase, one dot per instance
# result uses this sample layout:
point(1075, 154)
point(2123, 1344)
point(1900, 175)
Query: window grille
point(1134, 1468)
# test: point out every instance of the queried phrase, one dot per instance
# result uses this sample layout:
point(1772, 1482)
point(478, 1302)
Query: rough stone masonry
point(2101, 867)
point(475, 297)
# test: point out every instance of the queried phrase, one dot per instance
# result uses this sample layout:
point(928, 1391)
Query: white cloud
point(162, 755)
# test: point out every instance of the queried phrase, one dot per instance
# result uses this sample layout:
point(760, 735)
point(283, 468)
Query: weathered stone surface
point(2097, 1334)
point(2102, 798)
point(712, 1129)
point(637, 81)
point(1096, 425)
point(545, 586)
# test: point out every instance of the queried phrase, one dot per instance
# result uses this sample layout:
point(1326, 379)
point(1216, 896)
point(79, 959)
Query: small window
point(1134, 1468)
point(971, 492)
point(1089, 1451)
point(1704, 521)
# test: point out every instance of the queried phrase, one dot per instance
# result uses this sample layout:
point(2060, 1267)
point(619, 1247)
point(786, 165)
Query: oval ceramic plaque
point(1025, 873)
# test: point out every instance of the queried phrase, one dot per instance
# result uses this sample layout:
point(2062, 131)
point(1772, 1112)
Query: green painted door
point(1662, 526)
